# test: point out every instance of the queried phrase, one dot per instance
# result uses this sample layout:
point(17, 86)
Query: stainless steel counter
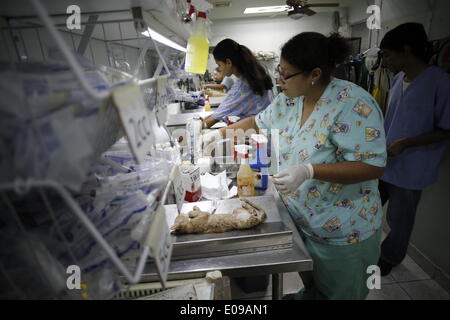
point(274, 262)
point(177, 120)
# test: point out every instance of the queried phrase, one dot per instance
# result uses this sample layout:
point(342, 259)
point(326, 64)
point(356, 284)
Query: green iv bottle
point(198, 47)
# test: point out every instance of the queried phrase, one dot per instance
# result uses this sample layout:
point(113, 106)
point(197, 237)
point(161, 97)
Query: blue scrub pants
point(400, 216)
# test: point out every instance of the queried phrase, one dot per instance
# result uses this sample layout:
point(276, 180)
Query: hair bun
point(339, 49)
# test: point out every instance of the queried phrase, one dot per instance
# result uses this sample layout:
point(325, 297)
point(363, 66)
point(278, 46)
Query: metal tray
point(270, 235)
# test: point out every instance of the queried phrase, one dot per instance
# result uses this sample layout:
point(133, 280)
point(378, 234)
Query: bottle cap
point(242, 150)
point(259, 139)
point(191, 10)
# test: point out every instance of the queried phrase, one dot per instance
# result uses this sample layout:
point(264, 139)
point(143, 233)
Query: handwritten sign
point(161, 92)
point(134, 118)
point(159, 242)
point(178, 187)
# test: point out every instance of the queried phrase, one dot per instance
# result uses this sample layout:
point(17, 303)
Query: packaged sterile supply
point(49, 126)
point(205, 164)
point(168, 151)
point(190, 181)
point(215, 187)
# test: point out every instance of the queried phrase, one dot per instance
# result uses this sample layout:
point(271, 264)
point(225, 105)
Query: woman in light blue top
point(251, 93)
point(332, 151)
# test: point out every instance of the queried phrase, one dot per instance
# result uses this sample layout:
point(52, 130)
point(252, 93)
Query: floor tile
point(388, 292)
point(387, 279)
point(425, 290)
point(442, 279)
point(409, 271)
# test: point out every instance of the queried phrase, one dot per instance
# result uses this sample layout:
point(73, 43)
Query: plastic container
point(193, 133)
point(190, 180)
point(260, 158)
point(261, 178)
point(207, 105)
point(260, 161)
point(245, 175)
point(198, 47)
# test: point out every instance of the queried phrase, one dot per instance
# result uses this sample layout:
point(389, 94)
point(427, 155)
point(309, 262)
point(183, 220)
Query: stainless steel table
point(180, 120)
point(275, 262)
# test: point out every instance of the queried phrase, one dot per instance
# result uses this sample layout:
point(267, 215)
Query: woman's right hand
point(208, 141)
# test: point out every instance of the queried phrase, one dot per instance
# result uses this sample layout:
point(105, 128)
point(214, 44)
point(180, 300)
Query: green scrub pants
point(339, 272)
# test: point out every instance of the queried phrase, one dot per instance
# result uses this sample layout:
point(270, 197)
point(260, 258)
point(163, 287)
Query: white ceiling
point(236, 10)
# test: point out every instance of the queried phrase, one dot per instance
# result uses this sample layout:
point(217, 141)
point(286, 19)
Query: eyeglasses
point(285, 78)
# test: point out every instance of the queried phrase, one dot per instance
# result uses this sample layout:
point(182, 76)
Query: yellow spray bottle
point(245, 175)
point(198, 47)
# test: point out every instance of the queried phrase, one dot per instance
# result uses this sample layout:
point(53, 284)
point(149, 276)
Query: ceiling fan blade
point(323, 5)
point(277, 14)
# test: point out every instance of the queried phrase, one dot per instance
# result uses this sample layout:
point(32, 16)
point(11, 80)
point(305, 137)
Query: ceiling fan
point(297, 9)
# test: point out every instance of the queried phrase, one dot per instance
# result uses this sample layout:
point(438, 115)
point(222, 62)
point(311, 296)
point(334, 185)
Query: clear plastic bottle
point(198, 47)
point(193, 133)
point(245, 175)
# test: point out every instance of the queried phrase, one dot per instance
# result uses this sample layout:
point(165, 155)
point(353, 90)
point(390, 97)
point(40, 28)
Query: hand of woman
point(208, 140)
point(288, 180)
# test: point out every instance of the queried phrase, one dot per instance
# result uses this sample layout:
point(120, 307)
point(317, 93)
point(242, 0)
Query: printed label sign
point(161, 93)
point(135, 119)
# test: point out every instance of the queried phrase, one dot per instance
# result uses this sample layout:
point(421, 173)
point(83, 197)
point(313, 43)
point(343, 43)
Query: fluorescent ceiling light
point(161, 39)
point(265, 9)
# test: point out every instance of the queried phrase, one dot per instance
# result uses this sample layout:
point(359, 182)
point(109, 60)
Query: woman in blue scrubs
point(417, 125)
point(251, 93)
point(333, 150)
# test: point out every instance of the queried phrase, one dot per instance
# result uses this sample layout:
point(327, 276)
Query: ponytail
point(338, 49)
point(245, 63)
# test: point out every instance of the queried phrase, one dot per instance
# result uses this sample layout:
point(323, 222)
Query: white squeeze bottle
point(198, 47)
point(245, 175)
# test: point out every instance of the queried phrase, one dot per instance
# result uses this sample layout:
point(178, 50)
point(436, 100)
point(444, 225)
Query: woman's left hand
point(288, 180)
point(396, 148)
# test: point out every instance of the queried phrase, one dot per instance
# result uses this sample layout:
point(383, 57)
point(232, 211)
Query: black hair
point(245, 63)
point(309, 50)
point(412, 35)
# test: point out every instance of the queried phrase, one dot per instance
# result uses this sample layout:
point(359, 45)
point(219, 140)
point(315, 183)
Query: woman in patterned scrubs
point(251, 93)
point(332, 151)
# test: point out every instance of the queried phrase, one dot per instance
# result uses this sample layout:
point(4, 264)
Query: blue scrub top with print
point(242, 102)
point(346, 125)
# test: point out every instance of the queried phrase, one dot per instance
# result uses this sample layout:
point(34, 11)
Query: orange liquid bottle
point(245, 175)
